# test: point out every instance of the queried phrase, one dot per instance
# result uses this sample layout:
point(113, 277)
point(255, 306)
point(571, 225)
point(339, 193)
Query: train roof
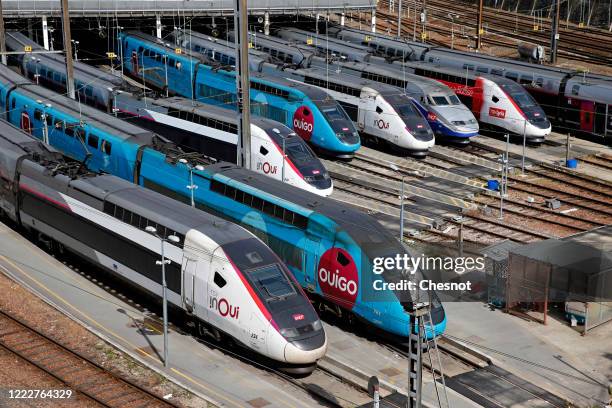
point(323, 38)
point(226, 45)
point(348, 80)
point(278, 43)
point(312, 92)
point(166, 211)
point(21, 143)
point(99, 119)
point(364, 229)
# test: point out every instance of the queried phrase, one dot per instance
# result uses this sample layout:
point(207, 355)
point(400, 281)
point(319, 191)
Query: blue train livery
point(310, 112)
point(330, 248)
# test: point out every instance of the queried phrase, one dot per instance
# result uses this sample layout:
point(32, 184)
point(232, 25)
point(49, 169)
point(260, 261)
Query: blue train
point(329, 248)
point(310, 112)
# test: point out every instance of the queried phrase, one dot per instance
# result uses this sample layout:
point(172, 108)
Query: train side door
point(265, 157)
point(587, 111)
point(134, 62)
point(600, 118)
point(188, 279)
point(25, 122)
point(311, 263)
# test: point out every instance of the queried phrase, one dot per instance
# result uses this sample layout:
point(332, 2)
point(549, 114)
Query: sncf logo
point(298, 316)
point(381, 124)
point(338, 278)
point(224, 308)
point(267, 168)
point(303, 122)
point(497, 113)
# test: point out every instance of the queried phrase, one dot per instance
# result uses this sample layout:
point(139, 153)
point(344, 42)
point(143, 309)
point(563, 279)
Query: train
point(446, 115)
point(573, 100)
point(382, 113)
point(217, 49)
point(329, 248)
point(325, 46)
point(276, 150)
point(223, 278)
point(310, 112)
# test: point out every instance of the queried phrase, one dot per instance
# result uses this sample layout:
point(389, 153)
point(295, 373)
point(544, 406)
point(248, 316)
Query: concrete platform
point(553, 152)
point(554, 357)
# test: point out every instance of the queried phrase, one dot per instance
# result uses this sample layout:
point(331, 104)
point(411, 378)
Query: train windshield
point(520, 96)
point(339, 121)
point(454, 100)
point(271, 282)
point(402, 105)
point(299, 152)
point(332, 113)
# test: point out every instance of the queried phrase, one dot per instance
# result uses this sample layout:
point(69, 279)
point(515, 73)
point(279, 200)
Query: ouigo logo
point(338, 278)
point(303, 122)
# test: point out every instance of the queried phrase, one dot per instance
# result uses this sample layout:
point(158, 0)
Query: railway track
point(503, 28)
point(77, 372)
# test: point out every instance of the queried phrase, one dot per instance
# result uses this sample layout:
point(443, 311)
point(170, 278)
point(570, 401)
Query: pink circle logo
point(303, 122)
point(338, 278)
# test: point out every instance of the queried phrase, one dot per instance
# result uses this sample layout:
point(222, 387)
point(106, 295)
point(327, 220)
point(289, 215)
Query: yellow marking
point(536, 27)
point(423, 36)
point(581, 24)
point(205, 387)
point(111, 55)
point(309, 41)
point(27, 48)
point(481, 31)
point(250, 45)
point(368, 38)
point(178, 51)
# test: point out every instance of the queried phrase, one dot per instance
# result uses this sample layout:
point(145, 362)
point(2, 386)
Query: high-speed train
point(572, 100)
point(382, 113)
point(448, 117)
point(224, 278)
point(330, 248)
point(310, 112)
point(216, 49)
point(326, 46)
point(211, 130)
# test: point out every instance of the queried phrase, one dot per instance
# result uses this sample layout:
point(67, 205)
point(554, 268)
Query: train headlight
point(289, 333)
point(432, 116)
point(317, 325)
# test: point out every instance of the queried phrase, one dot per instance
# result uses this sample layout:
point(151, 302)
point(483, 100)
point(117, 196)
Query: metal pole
point(2, 41)
point(399, 19)
point(524, 143)
point(120, 49)
point(158, 26)
point(567, 149)
point(45, 31)
point(402, 213)
point(374, 20)
point(68, 49)
point(191, 186)
point(452, 33)
point(243, 83)
point(165, 303)
point(166, 69)
point(284, 160)
point(415, 22)
point(554, 37)
point(479, 25)
point(460, 238)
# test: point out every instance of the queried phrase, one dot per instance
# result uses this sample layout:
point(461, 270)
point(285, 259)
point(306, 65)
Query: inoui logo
point(338, 278)
point(224, 308)
point(381, 124)
point(303, 122)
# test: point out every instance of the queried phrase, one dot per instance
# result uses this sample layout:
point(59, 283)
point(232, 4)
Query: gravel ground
point(19, 302)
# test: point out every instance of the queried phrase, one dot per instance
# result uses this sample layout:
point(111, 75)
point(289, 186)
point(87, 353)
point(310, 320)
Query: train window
point(279, 212)
point(263, 150)
point(106, 147)
point(127, 217)
point(271, 281)
point(469, 66)
point(495, 99)
point(38, 114)
point(109, 208)
point(69, 131)
point(58, 124)
point(13, 103)
point(49, 120)
point(575, 89)
point(268, 208)
point(257, 203)
point(89, 91)
point(80, 133)
point(496, 71)
point(484, 70)
point(92, 141)
point(512, 75)
point(135, 220)
point(539, 82)
point(118, 212)
point(379, 110)
point(239, 196)
point(49, 75)
point(342, 259)
point(219, 281)
point(454, 100)
point(230, 192)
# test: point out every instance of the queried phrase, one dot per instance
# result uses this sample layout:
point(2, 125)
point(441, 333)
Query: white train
point(223, 277)
point(382, 113)
point(276, 150)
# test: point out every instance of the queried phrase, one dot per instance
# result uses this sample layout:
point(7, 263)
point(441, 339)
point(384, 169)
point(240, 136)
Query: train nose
point(306, 350)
